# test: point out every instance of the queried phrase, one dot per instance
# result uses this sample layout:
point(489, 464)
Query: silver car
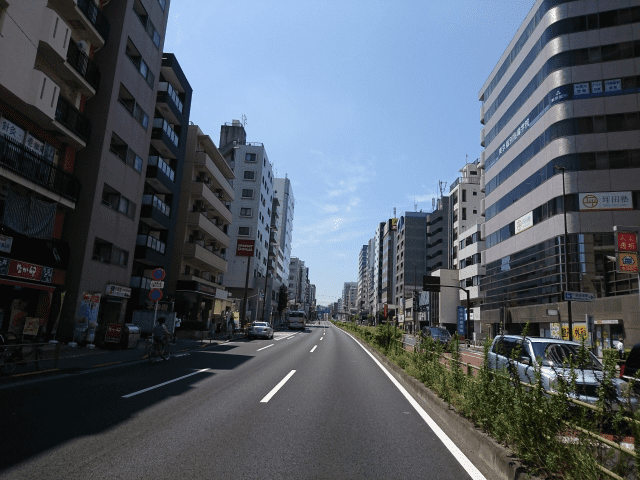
point(260, 330)
point(555, 354)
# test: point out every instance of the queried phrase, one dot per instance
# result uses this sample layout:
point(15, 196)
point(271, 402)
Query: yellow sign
point(627, 262)
point(579, 332)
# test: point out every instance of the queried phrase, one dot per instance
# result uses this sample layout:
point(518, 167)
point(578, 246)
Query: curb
point(479, 447)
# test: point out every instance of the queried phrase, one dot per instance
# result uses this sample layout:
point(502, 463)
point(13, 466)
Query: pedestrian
point(620, 347)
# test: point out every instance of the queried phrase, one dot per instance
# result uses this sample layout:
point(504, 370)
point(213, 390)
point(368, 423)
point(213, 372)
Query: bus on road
point(298, 320)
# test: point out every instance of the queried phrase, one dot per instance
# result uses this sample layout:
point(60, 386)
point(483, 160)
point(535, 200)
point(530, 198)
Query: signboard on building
point(206, 289)
point(579, 296)
point(524, 222)
point(626, 249)
point(113, 332)
point(28, 271)
point(118, 291)
point(394, 224)
point(244, 248)
point(606, 201)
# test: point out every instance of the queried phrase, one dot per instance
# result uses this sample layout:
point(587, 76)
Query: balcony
point(86, 19)
point(463, 181)
point(26, 164)
point(155, 212)
point(199, 221)
point(164, 138)
point(150, 251)
point(140, 282)
point(203, 190)
point(160, 175)
point(203, 257)
point(69, 118)
point(83, 65)
point(219, 181)
point(169, 103)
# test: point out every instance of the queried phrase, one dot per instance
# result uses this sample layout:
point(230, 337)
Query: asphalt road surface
point(311, 404)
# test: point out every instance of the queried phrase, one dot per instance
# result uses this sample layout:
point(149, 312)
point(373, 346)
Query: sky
point(365, 105)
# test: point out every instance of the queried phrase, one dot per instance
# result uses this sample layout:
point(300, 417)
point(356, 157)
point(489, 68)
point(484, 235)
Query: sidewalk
point(77, 359)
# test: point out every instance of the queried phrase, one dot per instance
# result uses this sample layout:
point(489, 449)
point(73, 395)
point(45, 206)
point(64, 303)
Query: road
point(310, 404)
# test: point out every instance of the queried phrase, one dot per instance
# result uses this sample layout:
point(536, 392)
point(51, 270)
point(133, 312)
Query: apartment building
point(199, 255)
point(387, 272)
point(48, 76)
point(349, 297)
point(363, 293)
point(163, 179)
point(251, 210)
point(284, 235)
point(466, 197)
point(113, 164)
point(561, 125)
point(411, 253)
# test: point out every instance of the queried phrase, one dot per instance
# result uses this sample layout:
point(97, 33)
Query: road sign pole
point(155, 313)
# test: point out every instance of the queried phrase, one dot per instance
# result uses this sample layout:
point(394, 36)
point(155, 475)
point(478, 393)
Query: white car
point(260, 330)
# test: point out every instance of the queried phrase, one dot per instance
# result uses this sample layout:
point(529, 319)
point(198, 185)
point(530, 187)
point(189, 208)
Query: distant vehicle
point(260, 330)
point(439, 334)
point(554, 355)
point(297, 320)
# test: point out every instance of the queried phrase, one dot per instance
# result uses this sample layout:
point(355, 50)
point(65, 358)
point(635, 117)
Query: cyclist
point(161, 334)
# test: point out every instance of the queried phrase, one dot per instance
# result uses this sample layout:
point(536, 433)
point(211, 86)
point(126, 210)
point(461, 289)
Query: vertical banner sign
point(627, 251)
point(462, 320)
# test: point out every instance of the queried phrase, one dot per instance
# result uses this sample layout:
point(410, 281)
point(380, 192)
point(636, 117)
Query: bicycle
point(14, 355)
point(158, 349)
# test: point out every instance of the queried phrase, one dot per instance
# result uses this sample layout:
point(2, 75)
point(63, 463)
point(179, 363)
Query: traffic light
point(430, 284)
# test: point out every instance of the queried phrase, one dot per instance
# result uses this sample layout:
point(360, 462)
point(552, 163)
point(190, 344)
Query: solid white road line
point(321, 338)
point(163, 384)
point(471, 469)
point(313, 349)
point(277, 387)
point(265, 347)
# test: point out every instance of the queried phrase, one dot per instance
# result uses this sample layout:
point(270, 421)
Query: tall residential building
point(375, 294)
point(439, 232)
point(284, 193)
point(48, 76)
point(199, 256)
point(466, 196)
point(163, 180)
point(102, 229)
point(362, 280)
point(294, 284)
point(411, 253)
point(561, 131)
point(370, 303)
point(254, 192)
point(387, 273)
point(349, 297)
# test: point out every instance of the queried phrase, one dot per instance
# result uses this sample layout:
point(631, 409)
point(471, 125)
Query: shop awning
point(38, 286)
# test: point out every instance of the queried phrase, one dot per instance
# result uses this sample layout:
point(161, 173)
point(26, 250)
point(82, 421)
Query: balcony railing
point(157, 204)
point(95, 16)
point(151, 242)
point(164, 125)
point(171, 93)
point(83, 65)
point(19, 159)
point(156, 161)
point(463, 180)
point(71, 118)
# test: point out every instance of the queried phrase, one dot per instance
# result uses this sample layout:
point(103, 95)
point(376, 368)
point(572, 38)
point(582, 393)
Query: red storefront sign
point(245, 248)
point(30, 271)
point(627, 242)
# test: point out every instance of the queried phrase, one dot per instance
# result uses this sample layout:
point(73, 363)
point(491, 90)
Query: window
point(142, 67)
point(106, 252)
point(464, 213)
point(128, 102)
point(464, 195)
point(249, 175)
point(121, 150)
point(244, 231)
point(113, 199)
point(245, 212)
point(475, 193)
point(146, 23)
point(247, 193)
point(250, 157)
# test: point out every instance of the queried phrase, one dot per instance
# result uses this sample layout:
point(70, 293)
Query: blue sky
point(364, 105)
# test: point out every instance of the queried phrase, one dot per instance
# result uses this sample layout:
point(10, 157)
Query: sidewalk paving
point(75, 359)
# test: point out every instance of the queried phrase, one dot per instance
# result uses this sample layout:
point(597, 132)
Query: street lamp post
point(566, 251)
